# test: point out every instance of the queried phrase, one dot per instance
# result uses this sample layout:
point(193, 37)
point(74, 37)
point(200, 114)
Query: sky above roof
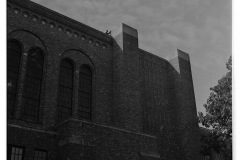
point(201, 28)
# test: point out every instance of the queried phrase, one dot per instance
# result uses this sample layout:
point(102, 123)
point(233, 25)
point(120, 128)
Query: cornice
point(59, 18)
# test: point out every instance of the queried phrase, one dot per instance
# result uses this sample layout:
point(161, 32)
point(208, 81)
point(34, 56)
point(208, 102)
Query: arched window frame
point(12, 97)
point(32, 91)
point(64, 110)
point(85, 93)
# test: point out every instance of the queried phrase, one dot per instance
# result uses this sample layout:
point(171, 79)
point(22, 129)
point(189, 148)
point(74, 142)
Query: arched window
point(14, 53)
point(85, 93)
point(65, 92)
point(32, 85)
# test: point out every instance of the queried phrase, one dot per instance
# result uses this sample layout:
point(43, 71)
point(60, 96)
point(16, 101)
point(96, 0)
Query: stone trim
point(150, 154)
point(32, 129)
point(111, 127)
point(183, 55)
point(129, 30)
point(59, 22)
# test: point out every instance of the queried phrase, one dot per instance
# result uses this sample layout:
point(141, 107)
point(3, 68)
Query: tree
point(219, 116)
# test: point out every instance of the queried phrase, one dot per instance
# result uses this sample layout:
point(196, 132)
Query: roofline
point(55, 16)
point(151, 54)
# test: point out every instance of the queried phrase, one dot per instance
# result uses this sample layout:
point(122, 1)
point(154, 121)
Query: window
point(40, 154)
point(14, 53)
point(15, 153)
point(65, 90)
point(32, 85)
point(85, 93)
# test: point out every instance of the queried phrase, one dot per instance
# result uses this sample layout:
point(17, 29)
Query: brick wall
point(154, 83)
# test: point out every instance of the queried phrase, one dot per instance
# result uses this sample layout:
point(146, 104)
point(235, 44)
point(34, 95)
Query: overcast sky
point(201, 28)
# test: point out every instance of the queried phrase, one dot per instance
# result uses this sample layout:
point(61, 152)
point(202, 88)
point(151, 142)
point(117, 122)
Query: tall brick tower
point(185, 104)
point(126, 90)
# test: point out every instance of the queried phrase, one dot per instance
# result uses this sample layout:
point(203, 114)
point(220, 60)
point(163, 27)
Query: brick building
point(74, 93)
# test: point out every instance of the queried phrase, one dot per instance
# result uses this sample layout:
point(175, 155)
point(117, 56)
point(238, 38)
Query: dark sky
point(201, 28)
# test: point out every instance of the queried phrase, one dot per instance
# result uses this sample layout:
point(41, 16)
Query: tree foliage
point(219, 116)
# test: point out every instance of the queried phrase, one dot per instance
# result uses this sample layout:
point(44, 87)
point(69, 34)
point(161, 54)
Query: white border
point(236, 78)
point(3, 126)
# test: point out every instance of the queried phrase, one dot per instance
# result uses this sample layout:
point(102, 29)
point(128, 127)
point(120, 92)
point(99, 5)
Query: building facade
point(74, 93)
